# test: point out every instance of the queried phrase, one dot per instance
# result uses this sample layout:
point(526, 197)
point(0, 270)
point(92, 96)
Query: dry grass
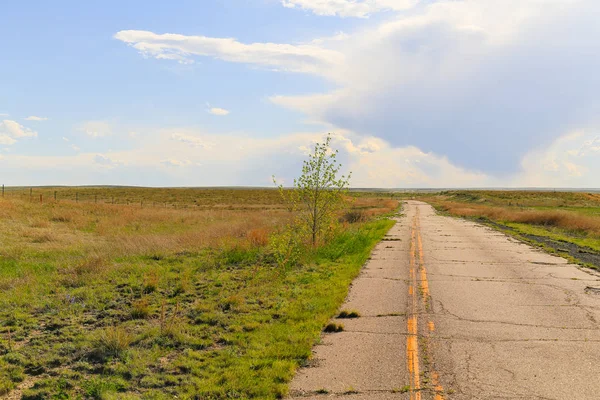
point(568, 220)
point(118, 229)
point(81, 238)
point(128, 230)
point(258, 237)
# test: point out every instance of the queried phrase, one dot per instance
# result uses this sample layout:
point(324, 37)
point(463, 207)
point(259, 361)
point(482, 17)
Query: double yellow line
point(412, 339)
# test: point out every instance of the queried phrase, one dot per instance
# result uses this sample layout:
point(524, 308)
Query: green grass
point(218, 322)
point(593, 211)
point(556, 234)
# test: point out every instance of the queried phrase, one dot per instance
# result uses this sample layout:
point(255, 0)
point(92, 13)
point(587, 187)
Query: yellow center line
point(412, 344)
point(436, 386)
point(423, 270)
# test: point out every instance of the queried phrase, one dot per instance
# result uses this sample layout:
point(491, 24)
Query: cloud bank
point(480, 83)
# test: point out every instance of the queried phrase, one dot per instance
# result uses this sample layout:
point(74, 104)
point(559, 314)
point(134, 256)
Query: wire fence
point(108, 196)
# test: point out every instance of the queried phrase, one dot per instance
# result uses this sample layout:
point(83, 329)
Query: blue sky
point(417, 93)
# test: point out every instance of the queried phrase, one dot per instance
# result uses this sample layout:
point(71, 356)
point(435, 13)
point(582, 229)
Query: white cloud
point(349, 8)
point(96, 129)
point(6, 140)
point(589, 146)
point(218, 111)
point(173, 157)
point(106, 161)
point(4, 115)
point(16, 130)
point(564, 163)
point(65, 139)
point(251, 161)
point(298, 58)
point(11, 131)
point(175, 163)
point(481, 81)
point(34, 118)
point(192, 140)
point(74, 147)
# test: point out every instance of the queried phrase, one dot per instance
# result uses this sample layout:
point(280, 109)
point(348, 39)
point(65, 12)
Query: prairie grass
point(569, 216)
point(568, 220)
point(102, 300)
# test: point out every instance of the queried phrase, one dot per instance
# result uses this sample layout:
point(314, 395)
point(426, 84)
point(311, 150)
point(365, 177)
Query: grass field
point(175, 295)
point(567, 222)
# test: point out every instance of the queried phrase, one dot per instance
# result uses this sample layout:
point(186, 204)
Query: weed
point(404, 389)
point(348, 314)
point(151, 282)
point(351, 390)
point(111, 342)
point(140, 309)
point(98, 389)
point(353, 216)
point(333, 328)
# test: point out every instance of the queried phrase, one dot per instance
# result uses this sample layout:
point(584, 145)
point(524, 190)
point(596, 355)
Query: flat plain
point(138, 293)
point(164, 293)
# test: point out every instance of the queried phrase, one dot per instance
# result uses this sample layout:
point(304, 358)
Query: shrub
point(286, 247)
point(353, 216)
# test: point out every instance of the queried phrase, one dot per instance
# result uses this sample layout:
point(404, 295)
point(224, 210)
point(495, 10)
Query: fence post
point(95, 198)
point(3, 190)
point(41, 198)
point(55, 195)
point(30, 194)
point(76, 197)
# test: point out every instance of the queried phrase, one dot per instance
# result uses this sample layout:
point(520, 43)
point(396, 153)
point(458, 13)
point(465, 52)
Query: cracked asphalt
point(451, 309)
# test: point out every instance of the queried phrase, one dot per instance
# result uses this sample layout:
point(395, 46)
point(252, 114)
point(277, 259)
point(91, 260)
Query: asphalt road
point(454, 310)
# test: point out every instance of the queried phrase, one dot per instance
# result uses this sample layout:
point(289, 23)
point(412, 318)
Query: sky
point(416, 93)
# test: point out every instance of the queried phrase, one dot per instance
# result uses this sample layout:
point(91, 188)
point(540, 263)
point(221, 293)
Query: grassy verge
point(207, 324)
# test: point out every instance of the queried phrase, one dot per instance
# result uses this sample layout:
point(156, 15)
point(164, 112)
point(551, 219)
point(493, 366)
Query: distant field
point(155, 293)
point(567, 222)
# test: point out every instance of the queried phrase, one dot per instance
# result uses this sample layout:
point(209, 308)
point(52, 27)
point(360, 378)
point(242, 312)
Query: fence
point(174, 198)
point(42, 196)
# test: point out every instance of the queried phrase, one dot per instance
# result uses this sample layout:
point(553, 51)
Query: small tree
point(318, 193)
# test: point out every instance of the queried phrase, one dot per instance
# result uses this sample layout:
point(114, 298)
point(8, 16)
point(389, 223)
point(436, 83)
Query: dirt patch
point(584, 254)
